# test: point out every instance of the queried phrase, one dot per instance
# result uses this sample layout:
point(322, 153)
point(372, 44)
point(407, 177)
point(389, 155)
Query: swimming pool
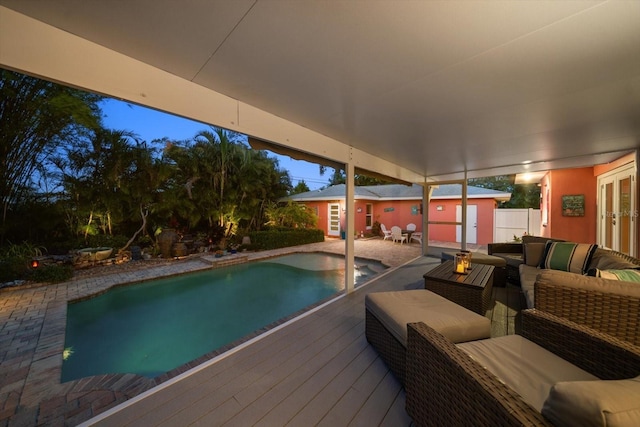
point(153, 327)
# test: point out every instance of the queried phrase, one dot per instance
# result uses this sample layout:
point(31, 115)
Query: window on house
point(369, 217)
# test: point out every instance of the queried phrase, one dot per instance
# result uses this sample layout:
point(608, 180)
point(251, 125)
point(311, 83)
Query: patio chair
point(417, 235)
point(396, 235)
point(387, 233)
point(572, 374)
point(411, 227)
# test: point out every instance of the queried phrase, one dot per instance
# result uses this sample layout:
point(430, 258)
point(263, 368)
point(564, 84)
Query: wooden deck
point(317, 370)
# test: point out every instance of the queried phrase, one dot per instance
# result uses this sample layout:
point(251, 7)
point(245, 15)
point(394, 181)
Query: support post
point(349, 258)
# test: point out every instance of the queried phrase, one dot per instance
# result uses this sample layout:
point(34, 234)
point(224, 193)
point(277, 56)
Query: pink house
point(400, 205)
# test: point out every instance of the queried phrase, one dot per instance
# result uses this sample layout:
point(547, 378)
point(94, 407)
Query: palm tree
point(230, 157)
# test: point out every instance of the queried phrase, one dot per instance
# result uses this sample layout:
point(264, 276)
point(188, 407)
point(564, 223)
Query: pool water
point(153, 327)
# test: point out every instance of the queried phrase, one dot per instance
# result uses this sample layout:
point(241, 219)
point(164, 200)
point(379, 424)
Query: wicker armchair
point(445, 386)
point(614, 313)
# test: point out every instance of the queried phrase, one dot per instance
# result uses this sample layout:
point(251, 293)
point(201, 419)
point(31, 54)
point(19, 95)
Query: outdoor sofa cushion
point(524, 366)
point(594, 403)
point(604, 259)
point(396, 309)
point(568, 256)
point(533, 253)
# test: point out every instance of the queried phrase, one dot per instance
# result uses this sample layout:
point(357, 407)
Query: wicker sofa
point(603, 259)
point(445, 385)
point(523, 261)
point(514, 254)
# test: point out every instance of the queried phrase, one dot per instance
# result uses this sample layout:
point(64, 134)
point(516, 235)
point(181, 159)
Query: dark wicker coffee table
point(472, 291)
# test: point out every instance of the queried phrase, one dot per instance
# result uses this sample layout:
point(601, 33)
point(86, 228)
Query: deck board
point(318, 370)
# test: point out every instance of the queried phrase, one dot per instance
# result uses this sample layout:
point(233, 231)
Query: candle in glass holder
point(459, 264)
point(467, 259)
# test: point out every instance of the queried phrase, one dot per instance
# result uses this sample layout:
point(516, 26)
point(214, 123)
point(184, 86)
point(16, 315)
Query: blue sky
point(150, 124)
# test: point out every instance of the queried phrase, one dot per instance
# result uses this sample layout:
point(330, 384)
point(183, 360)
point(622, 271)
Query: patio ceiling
point(436, 88)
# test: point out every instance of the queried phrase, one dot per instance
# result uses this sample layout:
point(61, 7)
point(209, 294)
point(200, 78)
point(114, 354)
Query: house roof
point(398, 192)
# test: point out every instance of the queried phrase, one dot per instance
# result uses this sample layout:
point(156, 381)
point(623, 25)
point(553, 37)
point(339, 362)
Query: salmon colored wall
point(447, 233)
point(403, 213)
point(322, 210)
point(569, 182)
point(408, 211)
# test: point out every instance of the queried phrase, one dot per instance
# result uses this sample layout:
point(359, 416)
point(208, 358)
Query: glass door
point(617, 210)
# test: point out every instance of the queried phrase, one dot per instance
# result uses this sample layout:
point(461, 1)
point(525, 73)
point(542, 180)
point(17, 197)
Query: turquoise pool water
point(153, 327)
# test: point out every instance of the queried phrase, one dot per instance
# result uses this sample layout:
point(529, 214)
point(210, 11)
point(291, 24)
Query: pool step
point(225, 261)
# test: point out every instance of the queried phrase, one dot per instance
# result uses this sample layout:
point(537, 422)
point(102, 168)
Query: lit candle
point(460, 266)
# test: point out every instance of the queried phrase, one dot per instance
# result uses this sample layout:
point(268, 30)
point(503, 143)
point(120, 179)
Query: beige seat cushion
point(594, 403)
point(395, 309)
point(527, 368)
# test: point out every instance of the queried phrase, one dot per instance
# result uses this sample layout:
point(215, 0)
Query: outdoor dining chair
point(396, 235)
point(387, 233)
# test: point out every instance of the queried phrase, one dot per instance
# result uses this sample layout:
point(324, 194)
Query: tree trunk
point(144, 214)
point(86, 229)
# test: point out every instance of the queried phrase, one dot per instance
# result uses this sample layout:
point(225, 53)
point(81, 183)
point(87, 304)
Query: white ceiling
point(438, 87)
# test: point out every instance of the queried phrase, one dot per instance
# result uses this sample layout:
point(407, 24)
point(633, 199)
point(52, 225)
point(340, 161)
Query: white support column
point(463, 237)
point(349, 258)
point(426, 201)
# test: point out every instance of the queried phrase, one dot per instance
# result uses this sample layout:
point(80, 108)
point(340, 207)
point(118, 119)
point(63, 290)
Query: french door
point(617, 210)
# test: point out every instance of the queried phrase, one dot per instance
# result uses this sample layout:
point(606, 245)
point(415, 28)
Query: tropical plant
point(219, 181)
point(522, 195)
point(95, 184)
point(15, 260)
point(35, 116)
point(301, 187)
point(292, 215)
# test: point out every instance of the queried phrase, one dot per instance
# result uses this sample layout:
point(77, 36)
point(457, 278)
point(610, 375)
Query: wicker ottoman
point(387, 315)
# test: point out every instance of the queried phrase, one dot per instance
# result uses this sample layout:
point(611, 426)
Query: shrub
point(292, 215)
point(283, 237)
point(375, 229)
point(52, 273)
point(15, 261)
point(13, 268)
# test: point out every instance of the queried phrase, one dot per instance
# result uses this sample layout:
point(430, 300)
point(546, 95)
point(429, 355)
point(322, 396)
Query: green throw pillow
point(567, 256)
point(627, 275)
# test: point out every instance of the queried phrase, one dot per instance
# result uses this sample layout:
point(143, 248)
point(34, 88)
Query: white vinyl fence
point(515, 222)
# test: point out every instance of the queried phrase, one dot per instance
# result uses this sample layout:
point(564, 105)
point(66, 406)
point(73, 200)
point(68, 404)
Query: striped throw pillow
point(567, 256)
